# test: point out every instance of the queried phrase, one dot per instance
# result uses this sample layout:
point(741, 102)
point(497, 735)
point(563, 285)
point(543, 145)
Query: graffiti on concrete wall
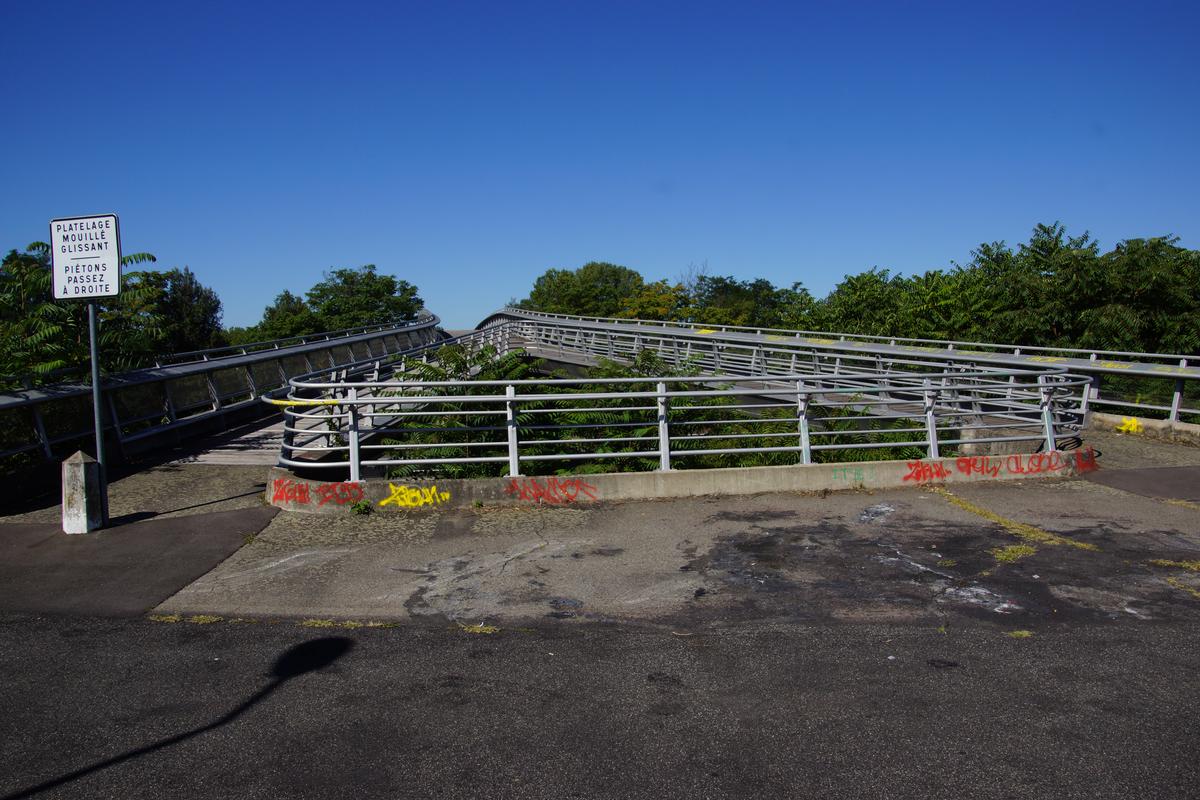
point(925, 471)
point(554, 491)
point(414, 496)
point(853, 473)
point(339, 493)
point(286, 490)
point(1130, 425)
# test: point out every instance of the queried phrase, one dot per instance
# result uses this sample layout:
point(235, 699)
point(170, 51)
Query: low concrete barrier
point(290, 492)
point(1162, 429)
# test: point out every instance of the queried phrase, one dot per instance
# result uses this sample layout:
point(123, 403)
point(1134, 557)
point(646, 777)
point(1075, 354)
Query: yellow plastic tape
point(333, 402)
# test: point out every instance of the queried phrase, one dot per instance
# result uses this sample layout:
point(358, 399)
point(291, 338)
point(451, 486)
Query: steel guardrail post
point(1047, 401)
point(352, 434)
point(664, 438)
point(802, 419)
point(931, 419)
point(514, 462)
point(1177, 397)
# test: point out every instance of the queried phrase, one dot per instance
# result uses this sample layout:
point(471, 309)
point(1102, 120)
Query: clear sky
point(468, 147)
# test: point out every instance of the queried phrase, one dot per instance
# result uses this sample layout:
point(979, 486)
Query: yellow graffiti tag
point(1047, 359)
point(1129, 425)
point(707, 330)
point(414, 496)
point(1115, 364)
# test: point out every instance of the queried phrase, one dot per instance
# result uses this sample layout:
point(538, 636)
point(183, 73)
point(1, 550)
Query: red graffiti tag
point(923, 471)
point(290, 491)
point(340, 493)
point(553, 491)
point(979, 465)
point(1036, 464)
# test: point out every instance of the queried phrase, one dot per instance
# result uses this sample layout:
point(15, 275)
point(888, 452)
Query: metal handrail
point(337, 424)
point(177, 396)
point(287, 341)
point(938, 344)
point(1181, 374)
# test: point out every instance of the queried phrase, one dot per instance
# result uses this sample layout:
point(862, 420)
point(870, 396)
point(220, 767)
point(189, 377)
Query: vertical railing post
point(352, 434)
point(931, 419)
point(664, 436)
point(802, 417)
point(1177, 398)
point(514, 462)
point(39, 425)
point(1047, 394)
point(251, 382)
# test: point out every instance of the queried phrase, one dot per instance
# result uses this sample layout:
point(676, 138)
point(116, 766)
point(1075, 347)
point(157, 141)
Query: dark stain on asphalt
point(826, 569)
point(663, 679)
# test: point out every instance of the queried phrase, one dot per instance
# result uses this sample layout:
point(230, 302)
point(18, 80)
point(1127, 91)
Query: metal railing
point(143, 404)
point(812, 414)
point(1173, 377)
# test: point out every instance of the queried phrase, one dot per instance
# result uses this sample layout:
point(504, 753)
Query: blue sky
point(468, 147)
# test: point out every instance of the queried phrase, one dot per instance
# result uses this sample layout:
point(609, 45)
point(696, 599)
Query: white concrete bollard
point(84, 505)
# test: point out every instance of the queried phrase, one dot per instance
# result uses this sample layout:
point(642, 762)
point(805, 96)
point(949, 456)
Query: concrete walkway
point(1026, 552)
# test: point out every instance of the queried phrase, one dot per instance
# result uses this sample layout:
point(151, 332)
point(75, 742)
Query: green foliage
point(345, 298)
point(613, 434)
point(466, 433)
point(189, 313)
point(348, 298)
point(156, 313)
point(597, 289)
point(288, 316)
point(1056, 290)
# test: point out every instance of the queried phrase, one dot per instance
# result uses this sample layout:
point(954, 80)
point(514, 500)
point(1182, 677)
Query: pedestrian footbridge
point(354, 403)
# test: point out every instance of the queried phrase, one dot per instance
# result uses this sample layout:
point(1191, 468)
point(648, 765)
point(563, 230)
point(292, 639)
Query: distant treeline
point(1055, 290)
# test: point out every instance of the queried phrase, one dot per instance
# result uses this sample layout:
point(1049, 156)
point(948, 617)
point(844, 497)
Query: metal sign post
point(86, 264)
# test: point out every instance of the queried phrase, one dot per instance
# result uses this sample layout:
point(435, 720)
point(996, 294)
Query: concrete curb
point(287, 491)
point(1162, 429)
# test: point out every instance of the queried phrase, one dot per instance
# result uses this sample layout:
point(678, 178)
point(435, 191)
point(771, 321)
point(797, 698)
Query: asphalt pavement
point(1022, 640)
point(125, 708)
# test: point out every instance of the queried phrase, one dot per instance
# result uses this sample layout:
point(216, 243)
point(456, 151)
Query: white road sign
point(86, 254)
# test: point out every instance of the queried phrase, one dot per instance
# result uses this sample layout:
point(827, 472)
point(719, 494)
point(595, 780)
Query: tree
point(659, 301)
point(288, 316)
point(190, 312)
point(866, 303)
point(40, 336)
point(349, 298)
point(752, 304)
point(597, 289)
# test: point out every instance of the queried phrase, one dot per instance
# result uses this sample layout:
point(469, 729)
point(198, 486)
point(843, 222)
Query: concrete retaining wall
point(1150, 428)
point(290, 492)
